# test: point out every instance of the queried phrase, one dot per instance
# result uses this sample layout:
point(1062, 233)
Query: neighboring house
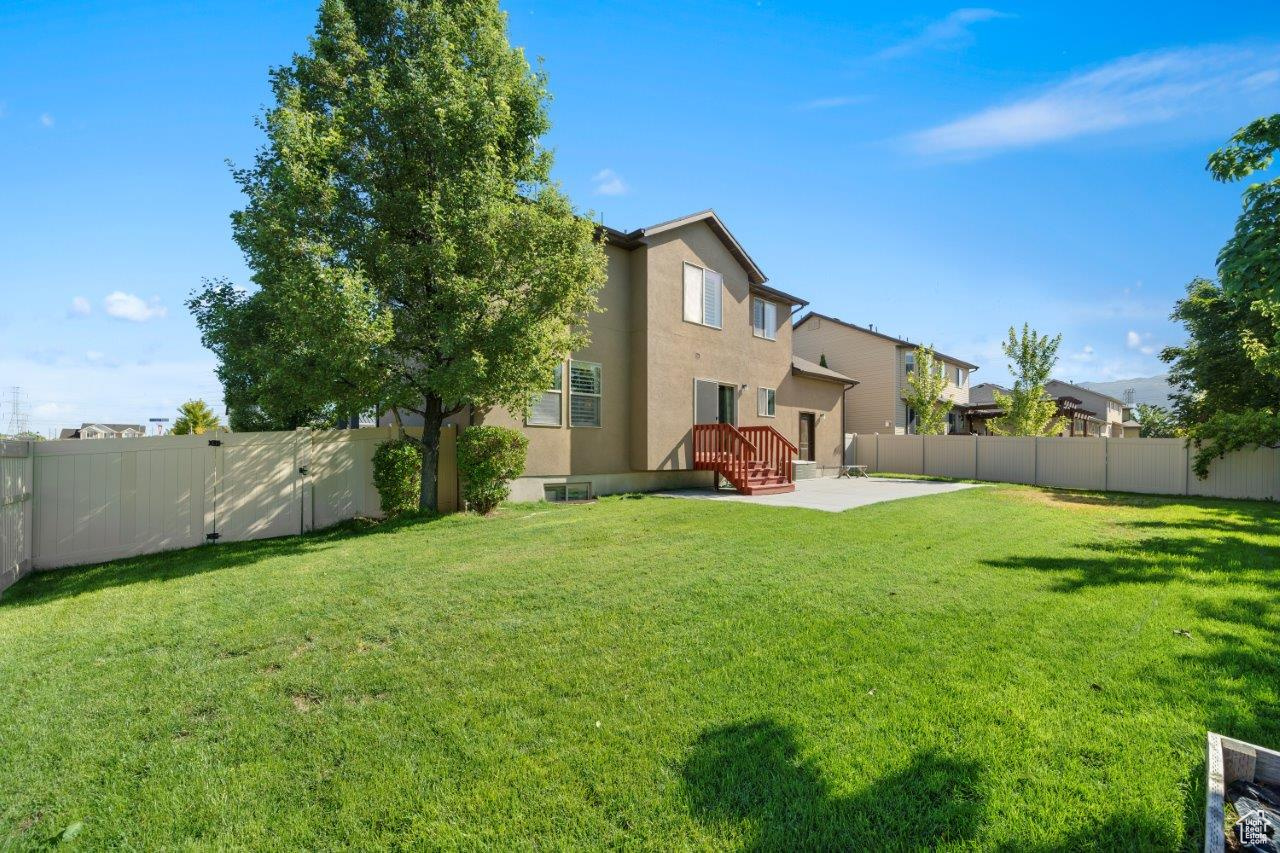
point(881, 363)
point(690, 333)
point(1085, 413)
point(1131, 426)
point(105, 431)
point(1107, 411)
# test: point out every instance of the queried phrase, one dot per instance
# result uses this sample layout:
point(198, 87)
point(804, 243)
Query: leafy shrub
point(397, 472)
point(489, 458)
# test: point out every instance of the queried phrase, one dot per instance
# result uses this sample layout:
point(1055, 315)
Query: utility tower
point(17, 411)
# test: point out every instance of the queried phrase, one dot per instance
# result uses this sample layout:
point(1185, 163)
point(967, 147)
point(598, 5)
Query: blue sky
point(940, 171)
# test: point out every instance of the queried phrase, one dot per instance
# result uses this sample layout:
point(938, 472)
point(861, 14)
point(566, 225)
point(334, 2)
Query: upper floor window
point(911, 362)
point(764, 318)
point(703, 296)
point(962, 377)
point(548, 410)
point(584, 394)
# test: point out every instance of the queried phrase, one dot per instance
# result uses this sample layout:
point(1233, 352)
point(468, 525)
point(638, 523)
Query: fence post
point(1035, 461)
point(877, 452)
point(1106, 464)
point(975, 456)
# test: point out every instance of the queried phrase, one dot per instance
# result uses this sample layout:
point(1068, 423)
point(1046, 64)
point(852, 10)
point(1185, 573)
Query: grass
point(993, 668)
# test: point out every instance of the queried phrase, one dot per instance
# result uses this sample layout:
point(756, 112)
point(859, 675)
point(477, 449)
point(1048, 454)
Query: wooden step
point(775, 489)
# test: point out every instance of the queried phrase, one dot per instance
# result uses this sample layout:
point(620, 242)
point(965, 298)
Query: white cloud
point(609, 182)
point(1141, 343)
point(951, 32)
point(126, 306)
point(1144, 89)
point(80, 307)
point(46, 119)
point(832, 103)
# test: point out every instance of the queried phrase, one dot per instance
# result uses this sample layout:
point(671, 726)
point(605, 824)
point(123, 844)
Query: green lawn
point(992, 668)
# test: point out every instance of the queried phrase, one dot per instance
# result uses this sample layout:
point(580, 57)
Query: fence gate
point(258, 484)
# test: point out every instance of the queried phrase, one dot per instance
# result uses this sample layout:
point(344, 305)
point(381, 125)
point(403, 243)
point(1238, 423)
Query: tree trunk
point(428, 497)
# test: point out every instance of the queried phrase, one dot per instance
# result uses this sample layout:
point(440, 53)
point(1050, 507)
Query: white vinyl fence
point(1150, 465)
point(85, 501)
point(15, 510)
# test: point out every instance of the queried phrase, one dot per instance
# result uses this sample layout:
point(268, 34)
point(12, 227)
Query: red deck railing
point(773, 449)
point(748, 457)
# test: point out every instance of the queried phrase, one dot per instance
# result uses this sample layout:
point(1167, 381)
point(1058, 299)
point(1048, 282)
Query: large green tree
point(1227, 375)
point(1028, 409)
point(1155, 421)
point(925, 386)
point(410, 250)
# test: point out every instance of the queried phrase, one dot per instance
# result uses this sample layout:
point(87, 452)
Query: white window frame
point(598, 395)
point(764, 329)
point(699, 299)
point(767, 402)
point(557, 388)
point(910, 363)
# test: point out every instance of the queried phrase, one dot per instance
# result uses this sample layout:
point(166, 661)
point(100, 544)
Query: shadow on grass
point(1228, 670)
point(45, 586)
point(751, 773)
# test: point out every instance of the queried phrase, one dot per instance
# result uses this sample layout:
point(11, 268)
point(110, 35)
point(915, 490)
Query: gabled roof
point(902, 342)
point(804, 367)
point(1089, 390)
point(755, 275)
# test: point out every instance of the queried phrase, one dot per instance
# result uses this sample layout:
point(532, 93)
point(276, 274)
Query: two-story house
point(1084, 413)
point(690, 334)
point(881, 363)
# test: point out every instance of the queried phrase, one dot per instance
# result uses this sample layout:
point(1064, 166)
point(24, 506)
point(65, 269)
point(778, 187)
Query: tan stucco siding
point(556, 451)
point(680, 352)
point(822, 398)
point(869, 359)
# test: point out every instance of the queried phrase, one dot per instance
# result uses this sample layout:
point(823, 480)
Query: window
point(558, 492)
point(961, 377)
point(911, 362)
point(764, 319)
point(548, 410)
point(911, 419)
point(767, 402)
point(584, 394)
point(703, 294)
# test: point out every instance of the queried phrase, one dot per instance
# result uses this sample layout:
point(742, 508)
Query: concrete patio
point(831, 494)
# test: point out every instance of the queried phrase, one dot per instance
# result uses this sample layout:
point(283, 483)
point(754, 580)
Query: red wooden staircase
point(757, 460)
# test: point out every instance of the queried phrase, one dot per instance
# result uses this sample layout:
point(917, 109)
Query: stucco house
point(881, 363)
point(691, 340)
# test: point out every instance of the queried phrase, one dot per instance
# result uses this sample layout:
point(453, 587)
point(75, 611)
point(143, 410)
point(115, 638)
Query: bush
point(397, 472)
point(489, 458)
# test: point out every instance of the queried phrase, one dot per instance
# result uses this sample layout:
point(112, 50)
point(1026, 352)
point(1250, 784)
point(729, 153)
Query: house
point(881, 363)
point(1086, 414)
point(1131, 426)
point(691, 339)
point(105, 431)
point(1107, 411)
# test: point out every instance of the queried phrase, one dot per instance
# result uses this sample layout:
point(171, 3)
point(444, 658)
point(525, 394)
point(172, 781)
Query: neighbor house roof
point(755, 275)
point(804, 367)
point(1090, 390)
point(902, 342)
point(75, 432)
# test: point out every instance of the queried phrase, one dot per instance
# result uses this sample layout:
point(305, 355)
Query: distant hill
point(1152, 390)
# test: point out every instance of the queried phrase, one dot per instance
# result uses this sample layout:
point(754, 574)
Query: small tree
point(1028, 410)
point(489, 458)
point(195, 418)
point(1157, 421)
point(925, 385)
